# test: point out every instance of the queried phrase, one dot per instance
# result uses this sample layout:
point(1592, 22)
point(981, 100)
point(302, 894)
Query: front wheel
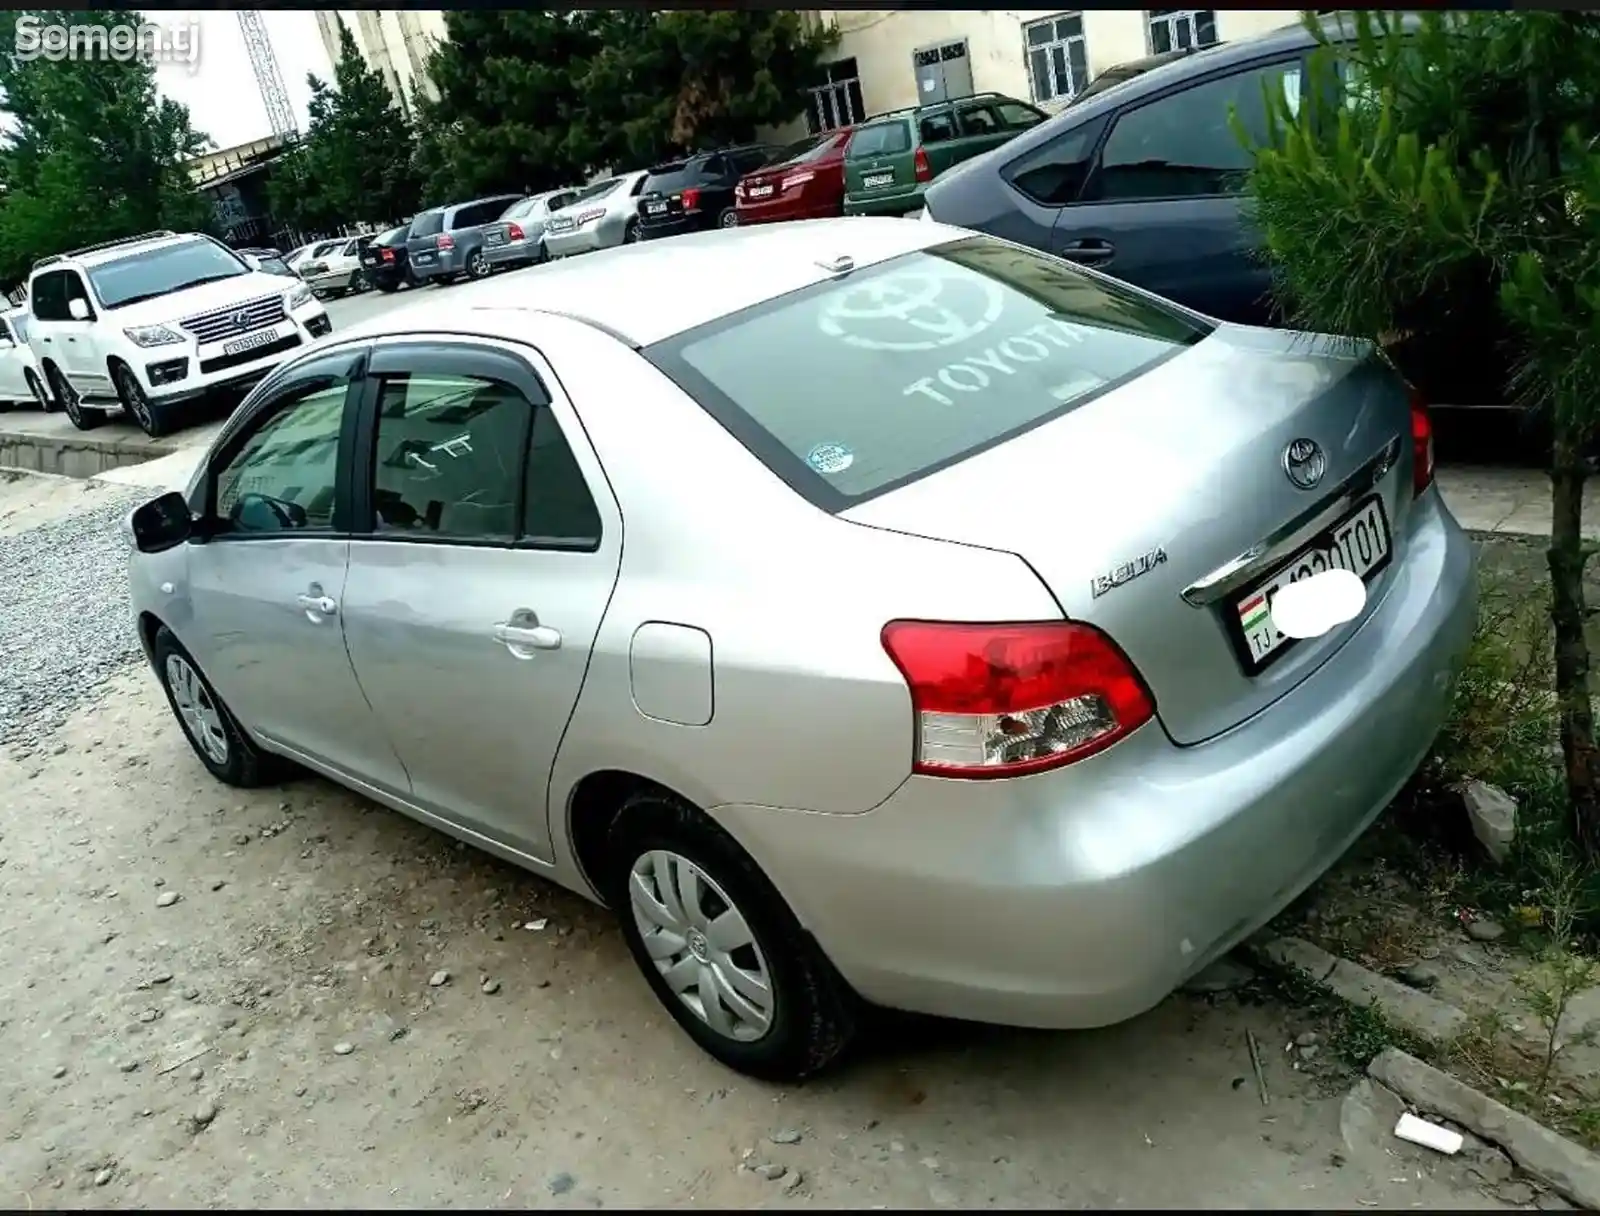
point(216, 736)
point(630, 234)
point(151, 419)
point(720, 948)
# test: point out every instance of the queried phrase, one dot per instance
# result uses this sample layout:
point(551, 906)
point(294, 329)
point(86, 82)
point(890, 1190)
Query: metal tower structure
point(268, 78)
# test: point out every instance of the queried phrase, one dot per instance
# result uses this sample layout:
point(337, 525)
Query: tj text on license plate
point(656, 208)
point(239, 345)
point(873, 180)
point(1359, 543)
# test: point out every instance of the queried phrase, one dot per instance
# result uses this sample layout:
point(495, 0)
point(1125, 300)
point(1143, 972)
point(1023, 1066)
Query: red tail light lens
point(1421, 444)
point(388, 255)
point(514, 232)
point(923, 169)
point(1004, 700)
point(691, 198)
point(445, 241)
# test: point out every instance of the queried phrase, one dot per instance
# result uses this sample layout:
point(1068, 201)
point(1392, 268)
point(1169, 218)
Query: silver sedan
point(517, 237)
point(899, 624)
point(604, 215)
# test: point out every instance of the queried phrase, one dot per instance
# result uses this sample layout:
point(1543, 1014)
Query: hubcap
point(68, 396)
point(476, 265)
point(701, 945)
point(730, 220)
point(196, 709)
point(134, 396)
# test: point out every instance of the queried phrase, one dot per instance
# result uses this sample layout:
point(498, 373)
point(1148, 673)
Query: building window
point(1179, 29)
point(837, 103)
point(1058, 58)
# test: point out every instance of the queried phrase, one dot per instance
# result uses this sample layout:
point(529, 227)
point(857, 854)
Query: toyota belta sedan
point(893, 626)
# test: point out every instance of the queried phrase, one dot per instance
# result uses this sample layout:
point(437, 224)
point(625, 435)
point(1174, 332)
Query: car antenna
point(839, 266)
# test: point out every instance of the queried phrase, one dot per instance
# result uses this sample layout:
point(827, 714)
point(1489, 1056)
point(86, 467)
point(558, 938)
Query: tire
point(152, 420)
point(46, 402)
point(213, 732)
point(728, 219)
point(78, 414)
point(811, 1012)
point(386, 287)
point(477, 267)
point(630, 232)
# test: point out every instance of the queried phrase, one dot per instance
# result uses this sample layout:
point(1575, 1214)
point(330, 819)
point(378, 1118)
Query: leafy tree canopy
point(539, 99)
point(93, 154)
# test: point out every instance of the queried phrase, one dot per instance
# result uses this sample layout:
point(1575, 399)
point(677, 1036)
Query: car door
point(266, 587)
point(940, 140)
point(13, 385)
point(979, 127)
point(1161, 204)
point(78, 344)
point(488, 549)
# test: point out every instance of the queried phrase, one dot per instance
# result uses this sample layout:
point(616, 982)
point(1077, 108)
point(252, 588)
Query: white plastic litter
point(1429, 1135)
point(1313, 606)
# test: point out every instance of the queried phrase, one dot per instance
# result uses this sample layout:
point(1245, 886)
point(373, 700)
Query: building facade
point(395, 42)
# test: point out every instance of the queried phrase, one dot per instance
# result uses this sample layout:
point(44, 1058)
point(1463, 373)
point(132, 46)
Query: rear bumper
point(451, 262)
point(512, 253)
point(1083, 897)
point(786, 209)
point(578, 240)
point(655, 230)
point(884, 204)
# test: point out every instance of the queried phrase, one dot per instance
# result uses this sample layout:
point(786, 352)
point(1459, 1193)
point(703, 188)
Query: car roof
point(98, 257)
point(640, 292)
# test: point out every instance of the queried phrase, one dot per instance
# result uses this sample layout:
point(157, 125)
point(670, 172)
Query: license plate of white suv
point(1359, 543)
point(250, 342)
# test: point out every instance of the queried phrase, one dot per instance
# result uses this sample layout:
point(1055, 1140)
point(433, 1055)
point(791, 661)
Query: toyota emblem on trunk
point(1305, 463)
point(240, 319)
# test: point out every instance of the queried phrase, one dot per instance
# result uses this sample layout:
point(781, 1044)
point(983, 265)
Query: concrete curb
point(75, 457)
point(1567, 1167)
point(1423, 1015)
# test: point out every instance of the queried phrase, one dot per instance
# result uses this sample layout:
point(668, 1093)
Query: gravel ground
point(66, 625)
point(291, 997)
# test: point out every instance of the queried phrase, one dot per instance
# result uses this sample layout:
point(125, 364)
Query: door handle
point(523, 634)
point(320, 605)
point(1088, 251)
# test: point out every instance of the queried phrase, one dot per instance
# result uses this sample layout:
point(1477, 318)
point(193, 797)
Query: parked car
point(337, 272)
point(517, 237)
point(447, 242)
point(268, 260)
point(314, 250)
point(604, 214)
point(152, 323)
point(21, 379)
point(386, 261)
point(1035, 765)
point(892, 158)
point(805, 181)
point(1119, 72)
point(1145, 183)
point(697, 193)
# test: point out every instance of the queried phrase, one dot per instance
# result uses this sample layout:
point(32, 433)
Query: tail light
point(923, 169)
point(690, 198)
point(796, 179)
point(445, 241)
point(388, 255)
point(1004, 700)
point(514, 232)
point(1421, 444)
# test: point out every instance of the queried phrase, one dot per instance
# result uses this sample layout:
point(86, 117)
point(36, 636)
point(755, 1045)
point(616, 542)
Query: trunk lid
point(1174, 494)
point(880, 159)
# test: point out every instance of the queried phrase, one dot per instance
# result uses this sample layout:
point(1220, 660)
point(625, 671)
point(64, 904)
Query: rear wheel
point(39, 393)
point(150, 417)
point(728, 219)
point(81, 416)
point(720, 948)
point(477, 266)
point(215, 734)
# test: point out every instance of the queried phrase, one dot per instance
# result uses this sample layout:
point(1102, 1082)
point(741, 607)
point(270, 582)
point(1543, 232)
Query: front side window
point(282, 478)
point(931, 357)
point(1184, 145)
point(1058, 56)
point(159, 272)
point(978, 120)
point(49, 302)
point(1179, 29)
point(937, 128)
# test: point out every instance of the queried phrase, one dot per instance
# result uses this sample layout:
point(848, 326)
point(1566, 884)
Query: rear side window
point(931, 357)
point(429, 223)
point(1052, 173)
point(880, 139)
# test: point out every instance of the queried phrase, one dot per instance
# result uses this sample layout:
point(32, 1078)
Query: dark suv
point(447, 242)
point(696, 193)
point(1145, 181)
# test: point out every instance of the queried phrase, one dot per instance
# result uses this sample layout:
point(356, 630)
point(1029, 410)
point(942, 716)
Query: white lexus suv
point(155, 322)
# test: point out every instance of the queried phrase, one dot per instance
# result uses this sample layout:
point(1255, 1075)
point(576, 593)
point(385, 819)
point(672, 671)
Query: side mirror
point(78, 309)
point(162, 523)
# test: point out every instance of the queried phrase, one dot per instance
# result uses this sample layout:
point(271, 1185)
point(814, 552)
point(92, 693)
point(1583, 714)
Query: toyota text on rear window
point(852, 387)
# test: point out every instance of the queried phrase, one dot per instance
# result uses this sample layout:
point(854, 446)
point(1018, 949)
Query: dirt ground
point(211, 998)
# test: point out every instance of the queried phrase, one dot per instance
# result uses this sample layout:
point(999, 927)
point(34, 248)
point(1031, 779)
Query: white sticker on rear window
point(830, 458)
point(913, 310)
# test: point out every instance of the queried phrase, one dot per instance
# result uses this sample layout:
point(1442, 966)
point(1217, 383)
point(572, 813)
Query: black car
point(386, 261)
point(696, 193)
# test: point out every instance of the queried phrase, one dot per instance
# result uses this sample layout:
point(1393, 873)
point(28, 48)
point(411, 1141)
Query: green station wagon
point(892, 158)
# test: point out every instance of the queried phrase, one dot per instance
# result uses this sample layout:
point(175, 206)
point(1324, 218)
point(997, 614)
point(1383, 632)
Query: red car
point(805, 182)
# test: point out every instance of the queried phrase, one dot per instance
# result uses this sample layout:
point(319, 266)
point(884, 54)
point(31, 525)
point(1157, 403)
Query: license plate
point(423, 257)
point(250, 342)
point(760, 191)
point(655, 208)
point(369, 259)
point(873, 180)
point(494, 238)
point(1359, 543)
point(560, 225)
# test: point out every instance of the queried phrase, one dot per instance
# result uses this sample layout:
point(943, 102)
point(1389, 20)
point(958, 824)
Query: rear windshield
point(880, 139)
point(429, 223)
point(803, 150)
point(664, 179)
point(930, 358)
point(395, 236)
point(598, 190)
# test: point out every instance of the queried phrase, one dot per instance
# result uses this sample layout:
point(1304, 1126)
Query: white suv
point(153, 322)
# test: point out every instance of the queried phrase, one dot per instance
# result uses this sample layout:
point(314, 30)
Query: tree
point(93, 153)
point(1457, 180)
point(539, 99)
point(354, 163)
point(295, 195)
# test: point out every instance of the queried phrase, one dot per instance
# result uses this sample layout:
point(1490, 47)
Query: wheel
point(387, 287)
point(46, 403)
point(728, 219)
point(630, 234)
point(227, 752)
point(81, 417)
point(720, 948)
point(477, 268)
point(152, 421)
point(543, 255)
